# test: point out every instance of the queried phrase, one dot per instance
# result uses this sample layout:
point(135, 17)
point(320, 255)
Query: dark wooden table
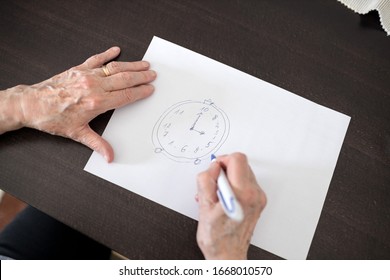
point(317, 49)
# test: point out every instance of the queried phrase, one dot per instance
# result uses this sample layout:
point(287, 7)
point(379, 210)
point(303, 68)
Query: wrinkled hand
point(218, 236)
point(65, 104)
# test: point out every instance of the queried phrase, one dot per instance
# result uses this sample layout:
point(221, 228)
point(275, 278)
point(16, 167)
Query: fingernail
point(153, 73)
point(116, 49)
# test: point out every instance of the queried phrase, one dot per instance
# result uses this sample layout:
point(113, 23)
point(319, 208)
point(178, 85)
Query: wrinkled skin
point(218, 236)
point(65, 104)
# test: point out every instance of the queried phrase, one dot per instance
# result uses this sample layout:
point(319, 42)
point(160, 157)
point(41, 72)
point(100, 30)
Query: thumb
point(94, 141)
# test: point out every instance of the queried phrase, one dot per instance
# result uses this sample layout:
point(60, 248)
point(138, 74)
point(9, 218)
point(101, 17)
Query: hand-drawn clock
point(190, 130)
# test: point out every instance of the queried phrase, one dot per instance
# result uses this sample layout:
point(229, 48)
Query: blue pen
point(226, 196)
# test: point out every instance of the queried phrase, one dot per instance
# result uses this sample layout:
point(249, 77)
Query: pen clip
point(234, 211)
point(225, 203)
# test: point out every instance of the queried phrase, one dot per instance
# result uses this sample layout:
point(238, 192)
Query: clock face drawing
point(189, 131)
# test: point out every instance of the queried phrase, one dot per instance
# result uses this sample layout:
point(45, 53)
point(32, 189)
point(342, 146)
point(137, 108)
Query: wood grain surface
point(317, 49)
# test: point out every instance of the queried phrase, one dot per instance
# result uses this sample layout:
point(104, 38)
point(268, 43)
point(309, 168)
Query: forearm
point(11, 113)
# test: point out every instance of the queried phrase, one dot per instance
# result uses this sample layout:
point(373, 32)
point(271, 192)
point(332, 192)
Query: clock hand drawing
point(194, 124)
point(190, 131)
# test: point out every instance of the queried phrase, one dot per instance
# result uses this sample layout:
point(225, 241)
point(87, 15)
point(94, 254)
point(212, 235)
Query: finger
point(91, 139)
point(207, 186)
point(115, 67)
point(126, 96)
point(237, 169)
point(124, 80)
point(98, 60)
point(242, 178)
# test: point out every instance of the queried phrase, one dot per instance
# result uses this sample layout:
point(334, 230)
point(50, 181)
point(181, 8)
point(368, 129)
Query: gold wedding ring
point(106, 71)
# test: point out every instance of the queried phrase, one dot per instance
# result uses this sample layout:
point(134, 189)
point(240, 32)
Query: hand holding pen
point(226, 196)
point(220, 235)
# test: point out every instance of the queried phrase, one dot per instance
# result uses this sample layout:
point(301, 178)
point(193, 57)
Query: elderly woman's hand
point(65, 104)
point(218, 236)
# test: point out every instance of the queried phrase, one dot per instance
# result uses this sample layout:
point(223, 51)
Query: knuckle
point(86, 82)
point(92, 104)
point(255, 198)
point(146, 75)
point(263, 200)
point(129, 95)
point(95, 57)
point(71, 73)
point(124, 76)
point(114, 67)
point(134, 78)
point(240, 157)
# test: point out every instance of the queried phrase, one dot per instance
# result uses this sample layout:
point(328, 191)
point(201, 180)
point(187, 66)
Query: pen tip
point(213, 157)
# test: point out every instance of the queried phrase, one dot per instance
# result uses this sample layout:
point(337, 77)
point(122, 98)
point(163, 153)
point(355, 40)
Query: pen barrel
point(229, 202)
point(224, 185)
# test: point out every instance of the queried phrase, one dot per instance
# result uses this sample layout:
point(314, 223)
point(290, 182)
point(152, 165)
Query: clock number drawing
point(189, 131)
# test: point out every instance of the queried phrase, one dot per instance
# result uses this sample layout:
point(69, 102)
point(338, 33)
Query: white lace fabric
point(365, 6)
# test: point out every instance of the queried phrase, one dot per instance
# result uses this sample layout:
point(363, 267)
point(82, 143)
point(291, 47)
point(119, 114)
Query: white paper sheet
point(201, 106)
